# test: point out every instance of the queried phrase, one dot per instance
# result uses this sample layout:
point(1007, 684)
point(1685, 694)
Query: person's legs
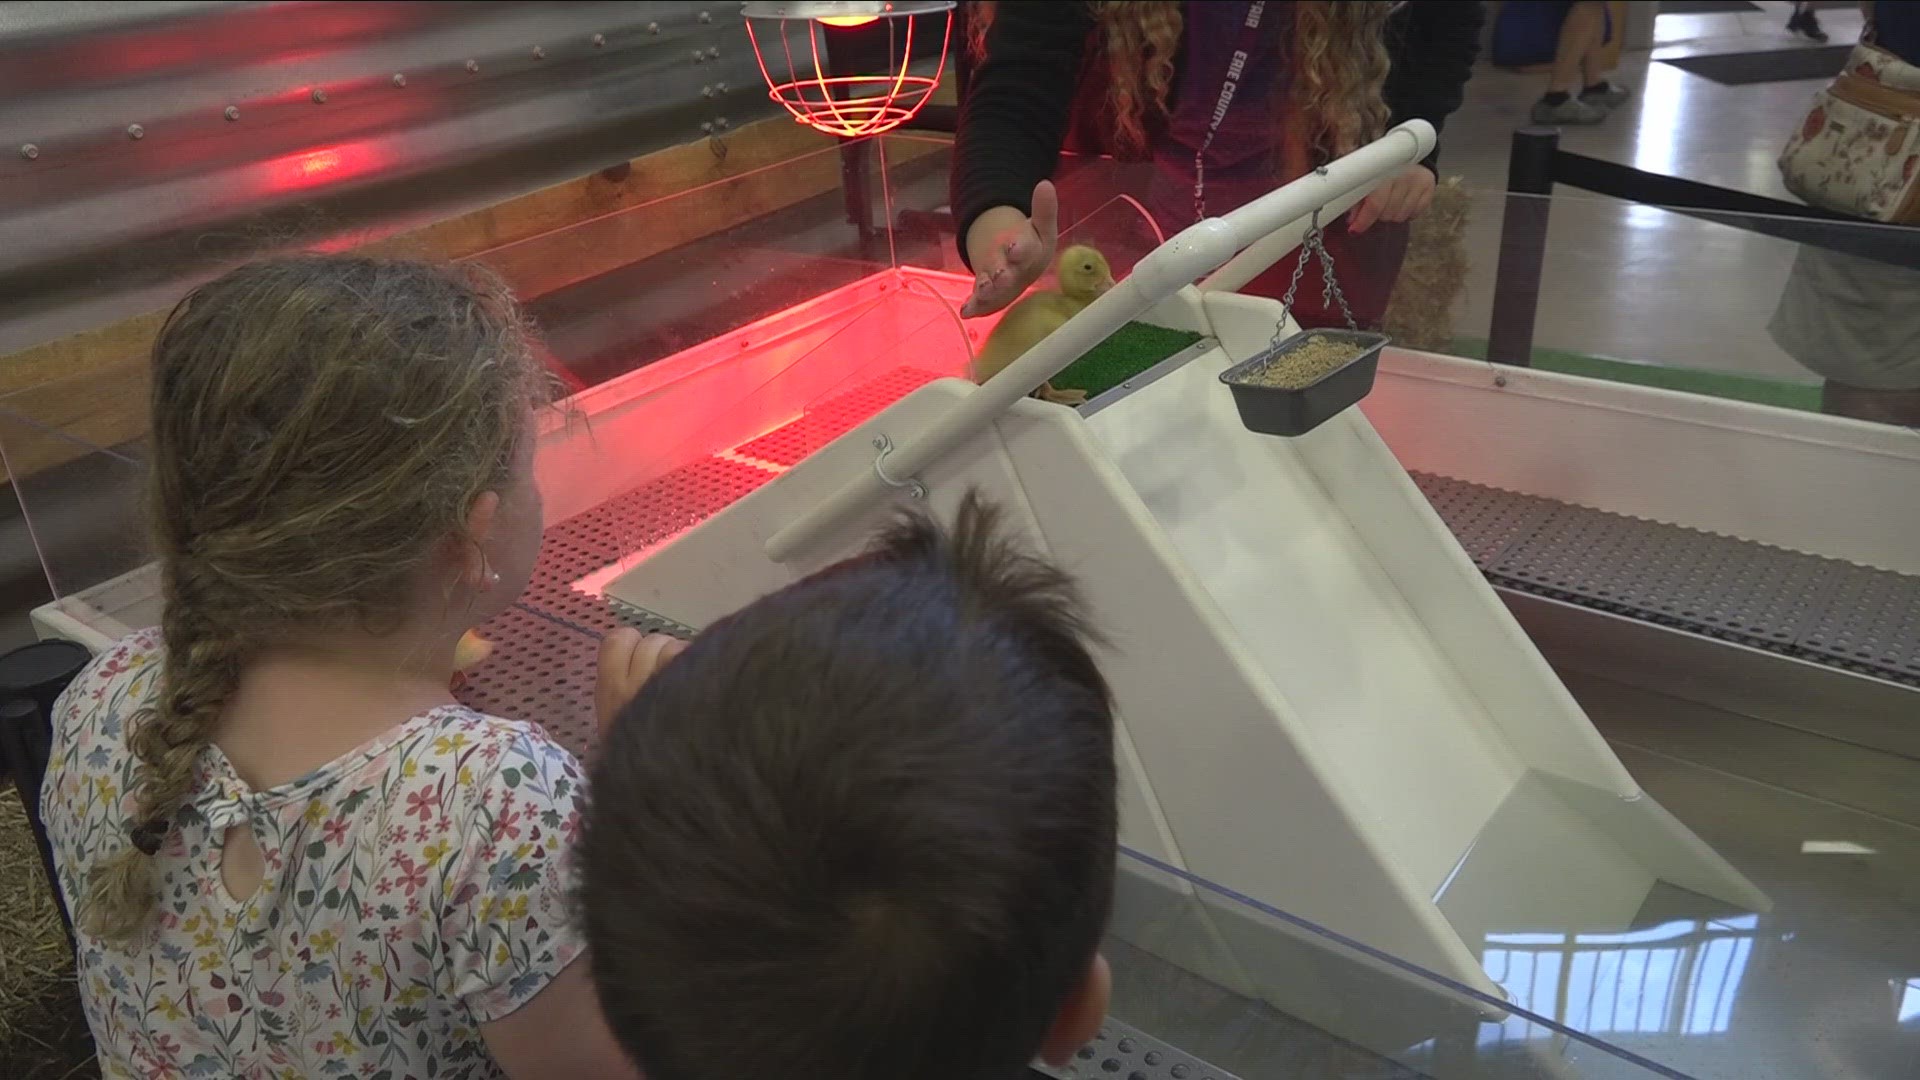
point(1582, 35)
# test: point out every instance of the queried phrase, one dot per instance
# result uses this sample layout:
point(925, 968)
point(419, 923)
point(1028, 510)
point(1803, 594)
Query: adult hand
point(627, 660)
point(1009, 251)
point(1402, 198)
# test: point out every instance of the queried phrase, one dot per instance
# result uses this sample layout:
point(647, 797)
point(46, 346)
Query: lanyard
point(1244, 44)
point(1247, 41)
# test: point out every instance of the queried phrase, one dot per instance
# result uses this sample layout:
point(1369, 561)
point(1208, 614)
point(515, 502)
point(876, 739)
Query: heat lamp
point(833, 99)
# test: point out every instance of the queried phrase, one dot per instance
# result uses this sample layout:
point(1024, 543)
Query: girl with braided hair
point(288, 851)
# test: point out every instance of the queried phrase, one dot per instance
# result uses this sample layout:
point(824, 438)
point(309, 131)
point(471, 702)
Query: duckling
point(1084, 275)
point(472, 649)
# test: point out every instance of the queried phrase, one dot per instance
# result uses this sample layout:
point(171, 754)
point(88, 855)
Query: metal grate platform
point(1825, 610)
point(541, 668)
point(1125, 1053)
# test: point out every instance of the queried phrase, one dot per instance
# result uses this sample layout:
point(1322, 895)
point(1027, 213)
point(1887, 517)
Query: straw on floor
point(43, 1034)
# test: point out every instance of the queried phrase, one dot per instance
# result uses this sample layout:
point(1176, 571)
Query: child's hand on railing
point(628, 659)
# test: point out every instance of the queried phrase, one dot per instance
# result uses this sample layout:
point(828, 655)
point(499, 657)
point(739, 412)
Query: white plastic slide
point(1323, 704)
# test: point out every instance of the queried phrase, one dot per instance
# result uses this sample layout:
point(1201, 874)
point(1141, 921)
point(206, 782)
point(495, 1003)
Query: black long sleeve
point(1432, 45)
point(1018, 105)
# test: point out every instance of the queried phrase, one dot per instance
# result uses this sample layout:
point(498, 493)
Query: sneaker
point(1611, 98)
point(1571, 111)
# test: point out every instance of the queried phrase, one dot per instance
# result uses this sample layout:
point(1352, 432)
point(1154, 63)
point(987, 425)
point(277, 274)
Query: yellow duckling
point(1084, 275)
point(472, 649)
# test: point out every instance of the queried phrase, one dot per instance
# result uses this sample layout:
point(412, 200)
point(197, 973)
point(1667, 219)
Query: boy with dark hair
point(863, 828)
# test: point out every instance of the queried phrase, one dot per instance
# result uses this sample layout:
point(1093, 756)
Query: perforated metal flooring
point(1814, 608)
point(1824, 610)
point(542, 664)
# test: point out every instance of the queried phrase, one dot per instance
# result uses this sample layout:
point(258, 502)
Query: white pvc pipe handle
point(1271, 248)
point(1180, 261)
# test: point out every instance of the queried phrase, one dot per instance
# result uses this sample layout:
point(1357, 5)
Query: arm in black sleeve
point(1017, 108)
point(1432, 45)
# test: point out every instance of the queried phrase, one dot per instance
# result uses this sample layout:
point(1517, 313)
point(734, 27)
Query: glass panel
point(1790, 312)
point(1260, 993)
point(82, 507)
point(1772, 310)
point(619, 291)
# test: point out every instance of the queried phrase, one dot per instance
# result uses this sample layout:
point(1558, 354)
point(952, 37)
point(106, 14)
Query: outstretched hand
point(1010, 250)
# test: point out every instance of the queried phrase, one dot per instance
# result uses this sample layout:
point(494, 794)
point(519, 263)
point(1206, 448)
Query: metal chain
point(1314, 243)
point(1331, 287)
point(1307, 244)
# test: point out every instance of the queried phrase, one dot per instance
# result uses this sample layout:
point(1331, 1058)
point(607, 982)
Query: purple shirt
point(1243, 159)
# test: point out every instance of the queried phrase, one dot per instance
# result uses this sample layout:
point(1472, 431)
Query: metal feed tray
point(1295, 410)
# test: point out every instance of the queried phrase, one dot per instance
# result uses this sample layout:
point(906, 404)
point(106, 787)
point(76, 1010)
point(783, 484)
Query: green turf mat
point(1131, 350)
point(1720, 384)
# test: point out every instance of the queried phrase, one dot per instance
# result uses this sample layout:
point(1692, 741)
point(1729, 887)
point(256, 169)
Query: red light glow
point(320, 166)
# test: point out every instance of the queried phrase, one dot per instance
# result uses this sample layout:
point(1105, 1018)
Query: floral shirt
point(415, 889)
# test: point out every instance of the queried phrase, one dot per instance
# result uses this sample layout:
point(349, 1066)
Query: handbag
point(1858, 147)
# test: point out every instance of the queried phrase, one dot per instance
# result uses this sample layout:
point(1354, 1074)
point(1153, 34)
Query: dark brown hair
point(864, 828)
point(319, 424)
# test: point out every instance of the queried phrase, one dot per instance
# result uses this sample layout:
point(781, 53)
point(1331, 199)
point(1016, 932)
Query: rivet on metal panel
point(706, 16)
point(539, 53)
point(721, 123)
point(319, 96)
point(653, 28)
point(1499, 380)
point(706, 91)
point(714, 52)
point(399, 79)
point(136, 132)
point(473, 66)
point(599, 40)
point(29, 151)
point(231, 112)
point(720, 86)
point(707, 127)
point(699, 57)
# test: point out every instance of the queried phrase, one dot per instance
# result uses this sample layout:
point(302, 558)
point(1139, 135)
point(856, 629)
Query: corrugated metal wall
point(142, 145)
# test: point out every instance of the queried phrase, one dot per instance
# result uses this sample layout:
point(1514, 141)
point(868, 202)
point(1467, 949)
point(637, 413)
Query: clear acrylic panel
point(1789, 312)
point(82, 509)
point(1257, 992)
point(618, 291)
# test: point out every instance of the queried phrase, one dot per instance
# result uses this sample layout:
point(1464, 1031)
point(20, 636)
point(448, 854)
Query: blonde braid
point(201, 671)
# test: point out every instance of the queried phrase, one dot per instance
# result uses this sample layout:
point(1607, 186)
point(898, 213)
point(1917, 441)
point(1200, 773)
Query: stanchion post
point(1523, 245)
